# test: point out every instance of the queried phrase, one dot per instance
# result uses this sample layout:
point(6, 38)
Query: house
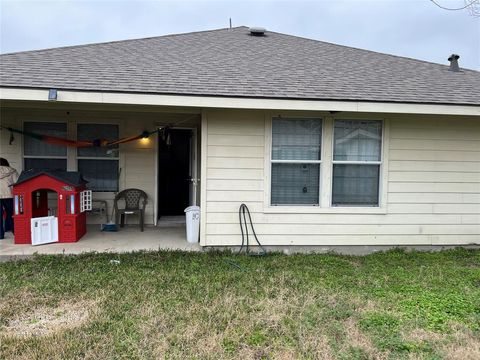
point(327, 145)
point(40, 219)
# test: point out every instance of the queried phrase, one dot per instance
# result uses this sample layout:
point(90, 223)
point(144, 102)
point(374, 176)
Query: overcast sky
point(412, 28)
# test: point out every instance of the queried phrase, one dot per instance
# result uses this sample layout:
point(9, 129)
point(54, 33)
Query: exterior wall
point(137, 160)
point(431, 185)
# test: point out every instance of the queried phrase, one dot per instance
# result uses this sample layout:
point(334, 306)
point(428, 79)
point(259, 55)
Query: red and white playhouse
point(49, 206)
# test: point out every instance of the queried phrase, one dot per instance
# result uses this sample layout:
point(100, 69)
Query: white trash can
point(192, 215)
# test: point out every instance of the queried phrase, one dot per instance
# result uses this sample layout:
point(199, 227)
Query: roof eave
point(235, 102)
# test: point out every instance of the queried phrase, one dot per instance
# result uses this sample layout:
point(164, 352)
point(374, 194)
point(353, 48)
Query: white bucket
point(192, 217)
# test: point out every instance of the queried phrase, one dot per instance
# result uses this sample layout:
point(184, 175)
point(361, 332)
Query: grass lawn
point(391, 305)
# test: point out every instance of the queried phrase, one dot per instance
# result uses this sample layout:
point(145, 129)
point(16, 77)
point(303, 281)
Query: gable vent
point(454, 62)
point(257, 31)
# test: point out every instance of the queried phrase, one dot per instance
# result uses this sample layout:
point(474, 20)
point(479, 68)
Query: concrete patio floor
point(127, 239)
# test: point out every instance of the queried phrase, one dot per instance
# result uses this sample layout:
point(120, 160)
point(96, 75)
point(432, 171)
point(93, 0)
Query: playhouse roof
point(232, 63)
point(73, 178)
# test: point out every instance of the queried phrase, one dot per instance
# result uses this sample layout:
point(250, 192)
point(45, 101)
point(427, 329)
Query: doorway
point(44, 223)
point(176, 171)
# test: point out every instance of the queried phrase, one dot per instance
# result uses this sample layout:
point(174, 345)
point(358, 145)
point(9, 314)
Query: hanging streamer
point(80, 144)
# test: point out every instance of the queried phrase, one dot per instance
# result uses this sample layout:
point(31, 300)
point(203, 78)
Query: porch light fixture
point(145, 139)
point(52, 95)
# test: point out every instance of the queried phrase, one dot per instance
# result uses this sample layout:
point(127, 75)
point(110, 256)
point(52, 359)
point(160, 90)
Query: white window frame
point(43, 121)
point(85, 200)
point(272, 161)
point(326, 166)
point(117, 158)
point(349, 162)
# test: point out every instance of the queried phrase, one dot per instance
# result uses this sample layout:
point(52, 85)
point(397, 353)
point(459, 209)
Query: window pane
point(45, 164)
point(355, 184)
point(358, 140)
point(90, 132)
point(296, 139)
point(102, 175)
point(37, 147)
point(295, 184)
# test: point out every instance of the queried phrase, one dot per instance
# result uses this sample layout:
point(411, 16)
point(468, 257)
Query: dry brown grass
point(34, 326)
point(460, 344)
point(46, 320)
point(465, 346)
point(357, 339)
point(203, 330)
point(183, 306)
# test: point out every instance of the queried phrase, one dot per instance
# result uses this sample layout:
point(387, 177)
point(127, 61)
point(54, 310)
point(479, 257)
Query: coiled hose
point(243, 211)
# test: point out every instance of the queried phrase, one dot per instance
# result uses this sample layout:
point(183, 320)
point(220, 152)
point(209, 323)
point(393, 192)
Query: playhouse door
point(44, 230)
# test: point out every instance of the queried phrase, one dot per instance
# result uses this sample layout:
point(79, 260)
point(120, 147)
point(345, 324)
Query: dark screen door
point(174, 172)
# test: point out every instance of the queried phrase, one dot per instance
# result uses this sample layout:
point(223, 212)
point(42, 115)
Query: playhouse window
point(42, 155)
point(99, 165)
point(70, 204)
point(18, 204)
point(37, 199)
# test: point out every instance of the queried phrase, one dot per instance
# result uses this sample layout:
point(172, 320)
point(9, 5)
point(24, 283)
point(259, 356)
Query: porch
point(127, 239)
point(165, 165)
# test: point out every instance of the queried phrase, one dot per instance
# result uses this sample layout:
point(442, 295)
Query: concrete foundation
point(355, 250)
point(165, 237)
point(127, 239)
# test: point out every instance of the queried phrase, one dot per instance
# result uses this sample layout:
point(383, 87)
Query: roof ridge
point(366, 50)
point(121, 41)
point(234, 28)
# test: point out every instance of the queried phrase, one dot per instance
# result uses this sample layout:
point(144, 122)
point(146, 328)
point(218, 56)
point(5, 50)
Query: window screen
point(36, 147)
point(356, 162)
point(296, 139)
point(296, 158)
point(45, 164)
point(357, 140)
point(102, 175)
point(355, 184)
point(90, 132)
point(40, 155)
point(295, 183)
point(98, 165)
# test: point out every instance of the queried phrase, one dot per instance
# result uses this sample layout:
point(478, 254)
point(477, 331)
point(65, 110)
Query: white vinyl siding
point(431, 180)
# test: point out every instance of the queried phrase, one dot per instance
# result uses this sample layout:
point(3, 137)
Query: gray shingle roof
point(230, 62)
point(70, 177)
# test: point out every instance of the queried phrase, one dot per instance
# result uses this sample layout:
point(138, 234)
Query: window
point(98, 165)
point(38, 154)
point(356, 162)
point(296, 160)
point(331, 165)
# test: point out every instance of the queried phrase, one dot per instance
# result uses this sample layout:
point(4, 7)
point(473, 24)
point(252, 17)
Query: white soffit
point(67, 96)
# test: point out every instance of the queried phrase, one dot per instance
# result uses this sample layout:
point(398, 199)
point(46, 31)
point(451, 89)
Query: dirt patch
point(466, 345)
point(45, 320)
point(461, 344)
point(357, 339)
point(424, 335)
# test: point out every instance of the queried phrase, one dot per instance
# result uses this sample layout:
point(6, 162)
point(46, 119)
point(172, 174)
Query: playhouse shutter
point(86, 200)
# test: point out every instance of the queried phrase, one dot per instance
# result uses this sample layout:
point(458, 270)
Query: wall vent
point(454, 62)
